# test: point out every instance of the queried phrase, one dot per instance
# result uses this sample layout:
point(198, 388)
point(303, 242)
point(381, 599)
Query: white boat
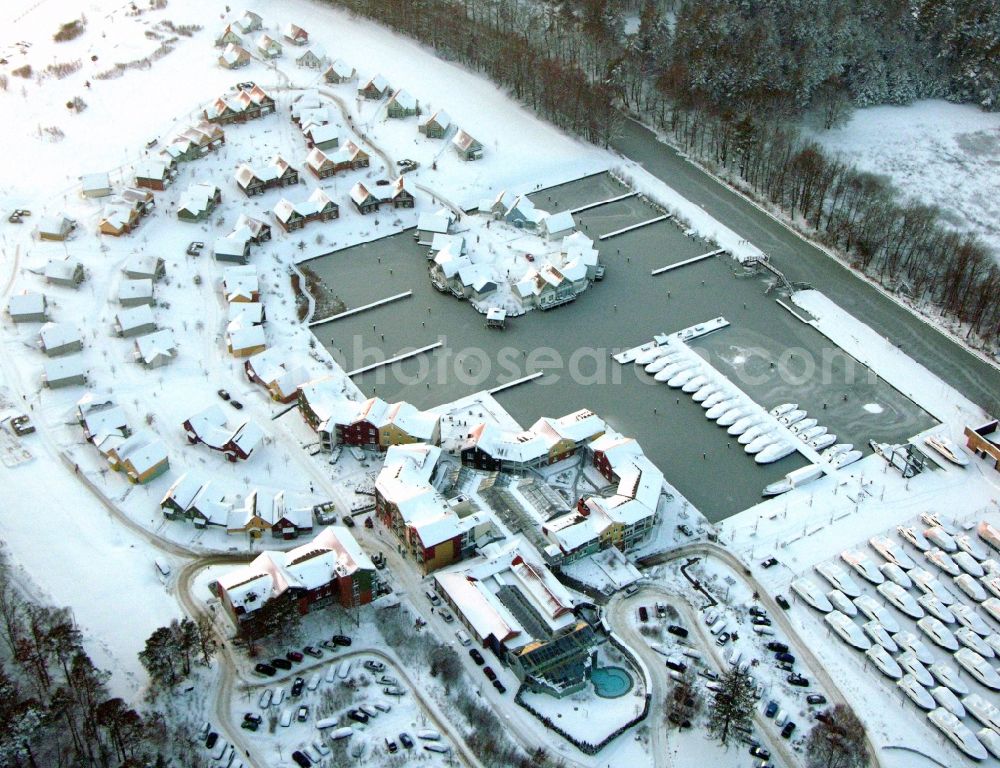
point(729, 417)
point(978, 667)
point(812, 433)
point(762, 442)
point(833, 450)
point(984, 711)
point(974, 642)
point(861, 563)
point(840, 579)
point(843, 459)
point(781, 410)
point(877, 633)
point(936, 534)
point(938, 633)
point(909, 662)
point(991, 584)
point(968, 563)
point(848, 631)
point(683, 377)
point(910, 643)
point(892, 552)
point(717, 398)
point(915, 536)
point(896, 575)
point(802, 426)
point(990, 739)
point(966, 543)
point(792, 416)
point(947, 699)
point(927, 583)
point(992, 567)
point(808, 591)
point(900, 599)
point(915, 692)
point(646, 356)
point(934, 520)
point(947, 675)
point(720, 408)
point(943, 560)
point(794, 479)
point(959, 735)
point(887, 665)
point(875, 610)
point(695, 384)
point(948, 449)
point(992, 606)
point(936, 608)
point(662, 362)
point(744, 423)
point(774, 452)
point(842, 603)
point(754, 432)
point(993, 641)
point(989, 534)
point(669, 371)
point(968, 617)
point(823, 441)
point(970, 587)
point(705, 392)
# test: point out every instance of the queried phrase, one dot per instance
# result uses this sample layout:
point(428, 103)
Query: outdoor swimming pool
point(611, 682)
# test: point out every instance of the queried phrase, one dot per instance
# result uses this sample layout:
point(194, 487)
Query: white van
point(428, 735)
point(313, 683)
point(463, 637)
point(718, 627)
point(762, 630)
point(368, 709)
point(711, 616)
point(278, 696)
point(781, 718)
point(734, 657)
point(430, 595)
point(286, 717)
point(341, 733)
point(327, 722)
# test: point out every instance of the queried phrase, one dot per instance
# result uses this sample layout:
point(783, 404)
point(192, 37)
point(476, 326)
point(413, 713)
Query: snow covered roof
point(135, 289)
point(315, 52)
point(360, 193)
point(246, 313)
point(322, 133)
point(247, 337)
point(151, 169)
point(465, 142)
point(209, 426)
point(64, 368)
point(54, 335)
point(102, 422)
point(247, 437)
point(144, 450)
point(234, 53)
point(440, 118)
point(312, 206)
point(96, 182)
point(185, 489)
point(418, 424)
point(234, 244)
point(54, 225)
point(378, 82)
point(267, 365)
point(198, 198)
point(342, 69)
point(405, 99)
point(558, 222)
point(433, 222)
point(135, 317)
point(155, 346)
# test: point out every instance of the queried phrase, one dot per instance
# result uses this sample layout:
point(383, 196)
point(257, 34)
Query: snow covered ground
point(941, 153)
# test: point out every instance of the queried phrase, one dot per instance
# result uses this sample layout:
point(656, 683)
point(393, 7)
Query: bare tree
point(838, 741)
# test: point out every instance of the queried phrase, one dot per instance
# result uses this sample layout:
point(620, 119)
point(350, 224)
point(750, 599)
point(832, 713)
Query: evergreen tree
point(732, 707)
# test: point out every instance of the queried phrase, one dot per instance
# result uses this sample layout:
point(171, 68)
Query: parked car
point(786, 732)
point(490, 674)
point(224, 394)
point(769, 563)
point(446, 615)
point(785, 656)
point(756, 610)
point(250, 725)
point(816, 698)
point(661, 610)
point(374, 666)
point(211, 739)
point(383, 183)
point(643, 613)
point(303, 714)
point(393, 690)
point(760, 752)
point(252, 717)
point(796, 679)
point(297, 686)
point(685, 529)
point(760, 621)
point(499, 686)
point(391, 746)
point(673, 629)
point(194, 248)
point(771, 709)
point(316, 653)
point(406, 741)
point(476, 656)
point(723, 638)
point(358, 717)
point(343, 640)
point(265, 669)
point(780, 600)
point(709, 674)
point(631, 589)
point(300, 759)
point(236, 404)
point(281, 663)
point(294, 656)
point(348, 521)
point(777, 647)
point(265, 699)
point(388, 680)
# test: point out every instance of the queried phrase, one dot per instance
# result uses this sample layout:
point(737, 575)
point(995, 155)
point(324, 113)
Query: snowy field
point(941, 153)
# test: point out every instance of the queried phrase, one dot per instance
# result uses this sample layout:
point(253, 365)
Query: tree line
point(727, 79)
point(55, 706)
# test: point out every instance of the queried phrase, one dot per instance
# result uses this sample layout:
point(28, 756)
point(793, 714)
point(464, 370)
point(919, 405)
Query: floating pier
point(396, 359)
point(662, 339)
point(516, 382)
point(365, 308)
point(629, 228)
point(588, 206)
point(684, 263)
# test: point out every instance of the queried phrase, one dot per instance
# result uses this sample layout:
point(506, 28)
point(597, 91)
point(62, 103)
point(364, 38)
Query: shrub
point(24, 71)
point(70, 30)
point(63, 69)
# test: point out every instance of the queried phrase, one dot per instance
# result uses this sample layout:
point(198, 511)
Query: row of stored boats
point(759, 432)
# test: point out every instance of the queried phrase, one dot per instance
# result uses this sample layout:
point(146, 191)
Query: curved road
point(802, 261)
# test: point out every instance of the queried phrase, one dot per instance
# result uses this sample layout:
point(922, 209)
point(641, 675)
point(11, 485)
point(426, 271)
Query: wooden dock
point(365, 308)
point(515, 382)
point(588, 206)
point(396, 359)
point(629, 228)
point(684, 263)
